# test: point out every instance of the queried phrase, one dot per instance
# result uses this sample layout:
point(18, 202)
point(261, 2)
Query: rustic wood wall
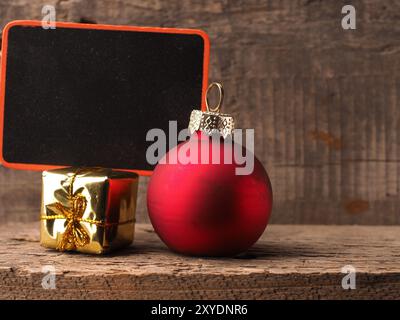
point(323, 100)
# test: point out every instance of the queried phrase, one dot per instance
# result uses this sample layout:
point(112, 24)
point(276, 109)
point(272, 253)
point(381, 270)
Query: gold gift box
point(90, 210)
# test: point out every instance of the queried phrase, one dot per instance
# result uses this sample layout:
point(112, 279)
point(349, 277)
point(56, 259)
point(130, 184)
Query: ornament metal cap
point(212, 121)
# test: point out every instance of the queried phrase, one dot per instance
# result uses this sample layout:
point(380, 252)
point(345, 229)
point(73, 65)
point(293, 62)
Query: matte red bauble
point(208, 209)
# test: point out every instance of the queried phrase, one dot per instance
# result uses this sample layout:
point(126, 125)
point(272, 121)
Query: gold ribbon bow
point(75, 234)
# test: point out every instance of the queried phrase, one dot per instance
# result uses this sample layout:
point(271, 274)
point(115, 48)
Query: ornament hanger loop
point(221, 96)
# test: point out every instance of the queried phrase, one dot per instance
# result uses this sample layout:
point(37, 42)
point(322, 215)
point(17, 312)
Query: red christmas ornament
point(208, 209)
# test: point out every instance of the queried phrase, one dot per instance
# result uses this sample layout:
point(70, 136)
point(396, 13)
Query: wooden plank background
point(323, 100)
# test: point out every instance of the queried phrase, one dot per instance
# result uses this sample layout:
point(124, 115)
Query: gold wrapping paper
point(90, 210)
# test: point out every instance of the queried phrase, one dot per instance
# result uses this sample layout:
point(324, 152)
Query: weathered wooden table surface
point(293, 262)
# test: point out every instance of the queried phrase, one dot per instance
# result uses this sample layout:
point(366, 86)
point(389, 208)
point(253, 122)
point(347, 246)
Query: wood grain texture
point(323, 101)
point(289, 262)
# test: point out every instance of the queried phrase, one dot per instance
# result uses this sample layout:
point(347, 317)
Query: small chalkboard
point(86, 95)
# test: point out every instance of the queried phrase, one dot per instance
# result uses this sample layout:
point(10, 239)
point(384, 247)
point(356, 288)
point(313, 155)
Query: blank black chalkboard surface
point(86, 95)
